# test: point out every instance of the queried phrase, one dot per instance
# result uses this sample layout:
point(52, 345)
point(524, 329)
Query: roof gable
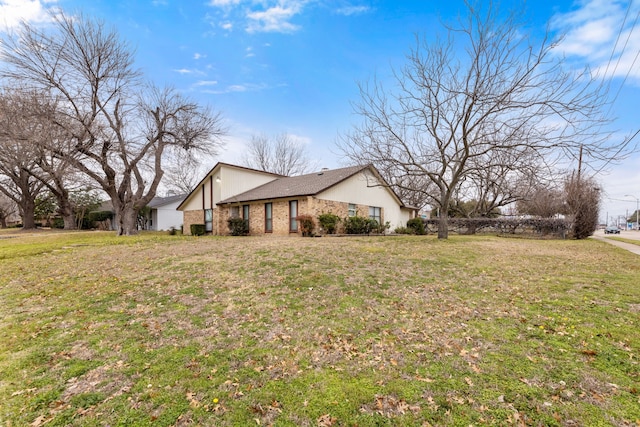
point(294, 186)
point(213, 170)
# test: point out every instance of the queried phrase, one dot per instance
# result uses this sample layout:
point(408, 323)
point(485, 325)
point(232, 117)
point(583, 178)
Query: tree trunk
point(3, 221)
point(126, 221)
point(28, 214)
point(68, 216)
point(443, 224)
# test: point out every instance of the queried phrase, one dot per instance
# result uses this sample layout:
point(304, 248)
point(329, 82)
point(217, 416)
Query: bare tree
point(18, 156)
point(7, 209)
point(180, 174)
point(120, 128)
point(40, 128)
point(499, 180)
point(545, 202)
point(282, 155)
point(412, 190)
point(485, 92)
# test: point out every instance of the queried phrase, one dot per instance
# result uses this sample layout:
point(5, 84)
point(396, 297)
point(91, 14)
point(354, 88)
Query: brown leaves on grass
point(326, 420)
point(305, 307)
point(389, 406)
point(267, 414)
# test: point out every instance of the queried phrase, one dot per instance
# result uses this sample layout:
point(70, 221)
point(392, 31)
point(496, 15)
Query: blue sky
point(273, 66)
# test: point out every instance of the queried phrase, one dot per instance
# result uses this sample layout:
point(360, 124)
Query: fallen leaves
point(389, 406)
point(326, 420)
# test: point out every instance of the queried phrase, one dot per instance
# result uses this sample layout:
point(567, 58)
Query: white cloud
point(206, 83)
point(187, 71)
point(197, 56)
point(238, 88)
point(353, 10)
point(259, 15)
point(224, 3)
point(590, 34)
point(273, 20)
point(12, 12)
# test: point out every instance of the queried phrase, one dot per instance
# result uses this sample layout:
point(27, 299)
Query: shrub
point(380, 228)
point(403, 230)
point(329, 222)
point(360, 225)
point(198, 229)
point(93, 219)
point(172, 231)
point(307, 224)
point(536, 226)
point(238, 226)
point(416, 225)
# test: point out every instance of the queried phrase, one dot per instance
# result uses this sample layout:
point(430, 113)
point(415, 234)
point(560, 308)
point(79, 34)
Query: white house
point(271, 203)
point(163, 214)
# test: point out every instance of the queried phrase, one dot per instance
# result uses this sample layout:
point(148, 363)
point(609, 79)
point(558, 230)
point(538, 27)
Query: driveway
point(625, 234)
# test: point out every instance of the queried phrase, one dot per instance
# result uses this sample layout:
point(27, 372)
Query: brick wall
point(320, 206)
point(192, 217)
point(280, 209)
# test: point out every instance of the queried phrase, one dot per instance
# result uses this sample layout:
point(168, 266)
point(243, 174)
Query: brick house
point(270, 203)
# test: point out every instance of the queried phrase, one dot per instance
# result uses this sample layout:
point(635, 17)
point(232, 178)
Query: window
point(375, 213)
point(352, 209)
point(235, 211)
point(293, 214)
point(268, 217)
point(208, 220)
point(245, 215)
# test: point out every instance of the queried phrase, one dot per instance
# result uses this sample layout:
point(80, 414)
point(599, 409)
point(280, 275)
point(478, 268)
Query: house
point(271, 203)
point(162, 213)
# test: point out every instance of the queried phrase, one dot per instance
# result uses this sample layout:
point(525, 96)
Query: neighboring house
point(271, 203)
point(162, 214)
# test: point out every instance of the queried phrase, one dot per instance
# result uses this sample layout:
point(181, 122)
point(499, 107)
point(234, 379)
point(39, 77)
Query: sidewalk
point(628, 246)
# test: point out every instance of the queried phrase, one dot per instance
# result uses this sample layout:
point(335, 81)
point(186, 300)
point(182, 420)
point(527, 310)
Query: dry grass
point(169, 330)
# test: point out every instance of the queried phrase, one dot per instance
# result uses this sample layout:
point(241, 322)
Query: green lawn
point(384, 331)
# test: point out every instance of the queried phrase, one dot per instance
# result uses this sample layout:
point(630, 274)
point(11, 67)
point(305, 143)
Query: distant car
point(612, 230)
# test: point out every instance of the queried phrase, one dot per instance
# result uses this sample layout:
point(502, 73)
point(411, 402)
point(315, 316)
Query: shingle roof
point(161, 201)
point(294, 186)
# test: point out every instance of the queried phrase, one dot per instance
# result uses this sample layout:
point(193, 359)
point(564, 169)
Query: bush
point(57, 223)
point(329, 222)
point(416, 225)
point(307, 224)
point(238, 226)
point(536, 226)
point(198, 229)
point(404, 230)
point(360, 225)
point(380, 228)
point(92, 219)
